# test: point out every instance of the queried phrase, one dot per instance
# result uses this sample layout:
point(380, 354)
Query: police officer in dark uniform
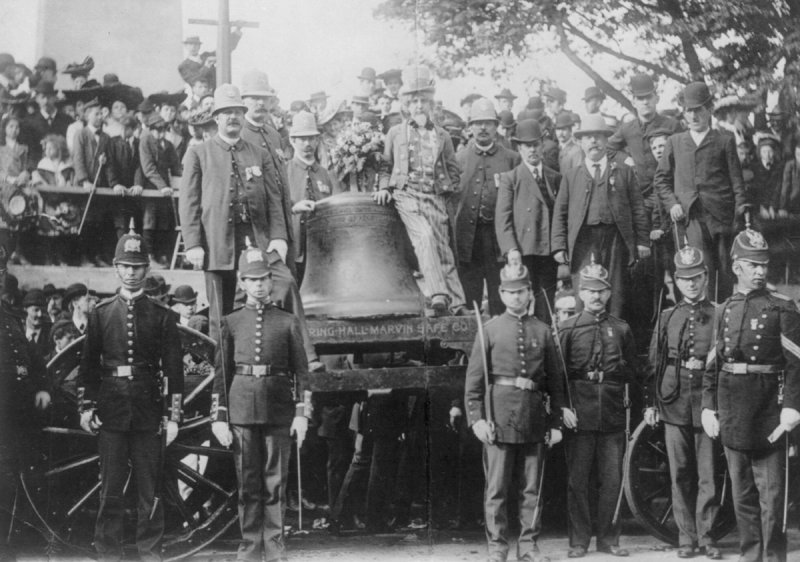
point(255, 405)
point(600, 355)
point(521, 357)
point(22, 380)
point(678, 352)
point(751, 397)
point(131, 361)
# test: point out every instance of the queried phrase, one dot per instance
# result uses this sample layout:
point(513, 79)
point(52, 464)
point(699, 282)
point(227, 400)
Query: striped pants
point(425, 218)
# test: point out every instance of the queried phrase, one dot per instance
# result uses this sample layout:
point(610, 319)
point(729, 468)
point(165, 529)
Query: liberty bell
point(358, 261)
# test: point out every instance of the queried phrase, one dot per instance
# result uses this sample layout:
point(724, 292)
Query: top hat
point(505, 93)
point(482, 110)
point(696, 94)
point(593, 124)
point(642, 85)
point(593, 92)
point(227, 96)
point(417, 78)
point(304, 124)
point(750, 245)
point(367, 73)
point(256, 84)
point(689, 262)
point(528, 130)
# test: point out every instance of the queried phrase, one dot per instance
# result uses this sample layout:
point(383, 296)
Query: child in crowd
point(13, 176)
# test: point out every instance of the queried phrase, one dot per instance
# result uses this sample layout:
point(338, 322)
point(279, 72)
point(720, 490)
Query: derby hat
point(506, 119)
point(593, 92)
point(185, 294)
point(528, 130)
point(417, 78)
point(227, 96)
point(390, 74)
point(689, 262)
point(482, 109)
point(255, 83)
point(592, 125)
point(556, 94)
point(564, 120)
point(73, 292)
point(155, 286)
point(642, 85)
point(367, 73)
point(34, 297)
point(505, 93)
point(696, 94)
point(304, 124)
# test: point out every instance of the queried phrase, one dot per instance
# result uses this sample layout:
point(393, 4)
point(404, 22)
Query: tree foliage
point(739, 45)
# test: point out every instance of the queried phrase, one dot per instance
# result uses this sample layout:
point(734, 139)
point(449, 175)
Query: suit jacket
point(206, 194)
point(524, 211)
point(322, 186)
point(124, 162)
point(479, 180)
point(159, 162)
point(624, 200)
point(393, 173)
point(570, 155)
point(709, 173)
point(42, 346)
point(85, 157)
point(35, 128)
point(789, 199)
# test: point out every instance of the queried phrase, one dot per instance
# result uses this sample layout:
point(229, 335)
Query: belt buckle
point(740, 368)
point(694, 364)
point(124, 371)
point(259, 370)
point(523, 383)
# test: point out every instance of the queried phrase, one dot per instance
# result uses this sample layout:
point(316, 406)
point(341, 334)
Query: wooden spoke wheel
point(198, 486)
point(648, 486)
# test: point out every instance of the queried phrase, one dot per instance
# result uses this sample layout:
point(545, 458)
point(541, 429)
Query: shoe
point(439, 305)
point(334, 527)
point(685, 551)
point(713, 553)
point(497, 557)
point(316, 366)
point(614, 550)
point(576, 552)
point(533, 557)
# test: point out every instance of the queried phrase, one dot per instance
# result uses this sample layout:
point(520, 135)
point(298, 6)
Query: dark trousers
point(716, 246)
point(757, 484)
point(483, 266)
point(504, 464)
point(143, 450)
point(601, 454)
point(544, 275)
point(8, 490)
point(605, 243)
point(338, 460)
point(261, 455)
point(693, 458)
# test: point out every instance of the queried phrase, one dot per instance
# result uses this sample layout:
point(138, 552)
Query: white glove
point(555, 437)
point(710, 423)
point(570, 418)
point(676, 212)
point(789, 420)
point(89, 422)
point(304, 206)
point(299, 428)
point(222, 432)
point(651, 416)
point(280, 246)
point(42, 400)
point(455, 412)
point(483, 431)
point(196, 256)
point(172, 432)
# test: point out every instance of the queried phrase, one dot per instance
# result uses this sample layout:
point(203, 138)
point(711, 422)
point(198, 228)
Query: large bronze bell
point(357, 261)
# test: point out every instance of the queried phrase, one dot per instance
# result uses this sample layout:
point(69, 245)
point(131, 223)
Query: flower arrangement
point(358, 151)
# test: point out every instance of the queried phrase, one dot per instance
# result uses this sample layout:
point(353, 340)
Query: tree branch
point(602, 83)
point(674, 10)
point(602, 48)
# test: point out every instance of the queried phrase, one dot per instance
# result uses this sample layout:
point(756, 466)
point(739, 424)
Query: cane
point(101, 160)
point(537, 507)
point(627, 403)
point(299, 491)
point(488, 399)
point(786, 485)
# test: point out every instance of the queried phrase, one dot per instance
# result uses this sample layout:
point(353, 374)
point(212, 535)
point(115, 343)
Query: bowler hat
point(557, 94)
point(689, 262)
point(750, 245)
point(304, 124)
point(192, 39)
point(49, 290)
point(526, 114)
point(642, 85)
point(534, 103)
point(255, 83)
point(417, 78)
point(155, 286)
point(227, 96)
point(74, 291)
point(482, 110)
point(393, 73)
point(34, 297)
point(696, 94)
point(506, 119)
point(593, 92)
point(528, 130)
point(253, 263)
point(656, 132)
point(185, 294)
point(46, 63)
point(514, 277)
point(564, 119)
point(592, 125)
point(46, 88)
point(79, 68)
point(505, 93)
point(594, 277)
point(367, 73)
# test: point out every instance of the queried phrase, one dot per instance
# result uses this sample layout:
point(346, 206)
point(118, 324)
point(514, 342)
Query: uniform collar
point(128, 296)
point(256, 306)
point(516, 316)
point(480, 151)
point(226, 144)
point(600, 316)
point(302, 164)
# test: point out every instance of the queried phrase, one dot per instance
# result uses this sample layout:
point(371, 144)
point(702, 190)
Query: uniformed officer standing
point(261, 347)
point(520, 355)
point(600, 356)
point(22, 380)
point(131, 359)
point(678, 352)
point(751, 397)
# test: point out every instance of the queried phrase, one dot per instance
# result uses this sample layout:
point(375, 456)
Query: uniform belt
point(260, 370)
point(128, 371)
point(595, 376)
point(747, 369)
point(519, 382)
point(693, 363)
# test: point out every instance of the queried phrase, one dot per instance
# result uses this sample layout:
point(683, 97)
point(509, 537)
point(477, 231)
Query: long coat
point(709, 173)
point(322, 186)
point(207, 191)
point(85, 157)
point(524, 211)
point(625, 203)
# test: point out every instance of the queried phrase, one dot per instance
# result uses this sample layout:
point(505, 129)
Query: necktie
point(536, 175)
point(310, 186)
point(597, 173)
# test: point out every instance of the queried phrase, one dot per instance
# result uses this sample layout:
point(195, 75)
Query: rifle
point(560, 352)
point(101, 161)
point(482, 339)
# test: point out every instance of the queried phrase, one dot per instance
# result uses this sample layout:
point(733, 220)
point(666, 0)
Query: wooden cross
point(224, 25)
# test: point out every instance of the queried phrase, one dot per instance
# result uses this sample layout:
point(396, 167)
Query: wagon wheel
point(198, 487)
point(648, 488)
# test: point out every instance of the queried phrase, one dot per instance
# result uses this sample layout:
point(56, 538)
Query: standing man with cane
point(516, 358)
point(258, 402)
point(751, 397)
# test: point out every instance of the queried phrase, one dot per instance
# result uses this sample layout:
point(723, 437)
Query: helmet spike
point(132, 226)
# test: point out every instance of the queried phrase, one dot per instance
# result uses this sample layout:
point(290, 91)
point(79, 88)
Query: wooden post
point(223, 43)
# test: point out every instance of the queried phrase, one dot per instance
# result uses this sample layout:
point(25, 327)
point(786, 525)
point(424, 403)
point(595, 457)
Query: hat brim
point(168, 99)
point(689, 272)
point(527, 139)
point(304, 133)
point(471, 121)
point(229, 106)
point(255, 275)
point(696, 105)
point(579, 133)
point(515, 285)
point(594, 284)
point(128, 261)
point(184, 301)
point(425, 90)
point(259, 94)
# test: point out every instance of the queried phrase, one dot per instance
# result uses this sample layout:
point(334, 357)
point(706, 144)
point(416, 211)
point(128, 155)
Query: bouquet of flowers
point(357, 153)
